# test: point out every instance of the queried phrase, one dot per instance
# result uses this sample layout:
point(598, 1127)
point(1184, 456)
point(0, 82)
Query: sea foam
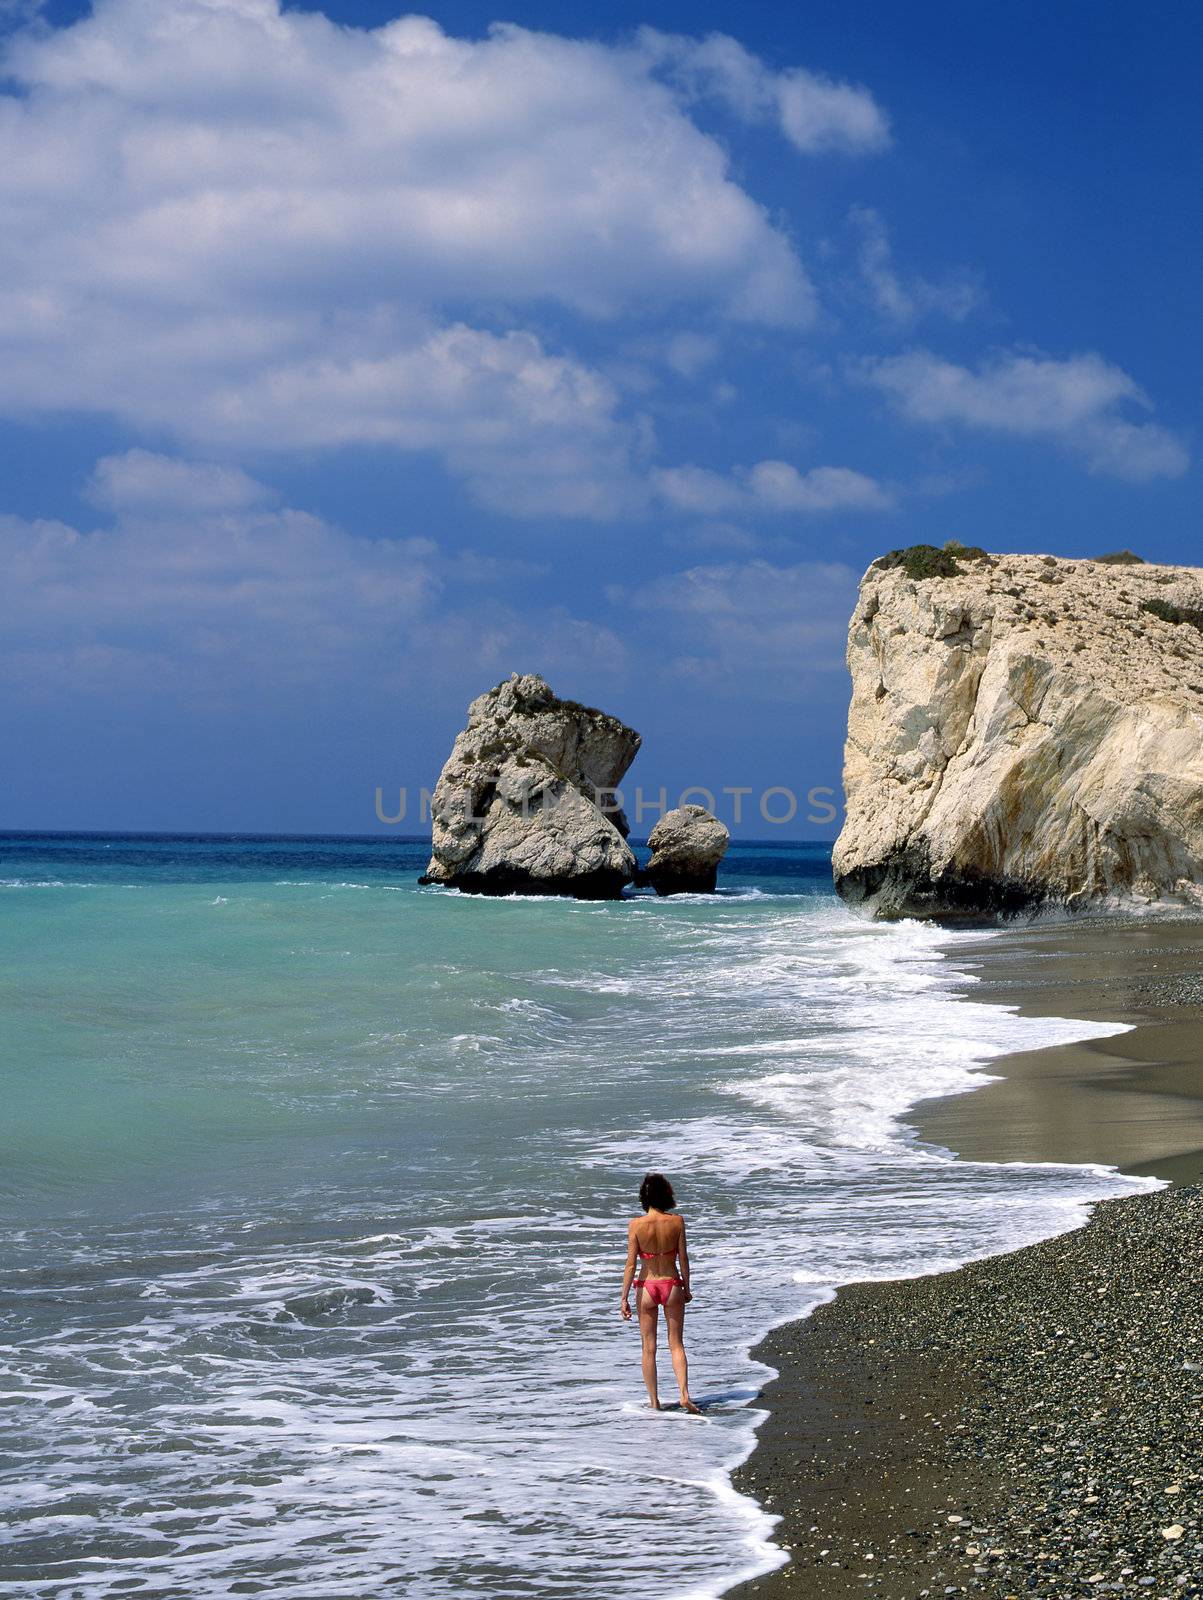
point(345, 1320)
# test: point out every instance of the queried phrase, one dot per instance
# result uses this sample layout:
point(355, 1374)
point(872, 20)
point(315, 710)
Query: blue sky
point(349, 361)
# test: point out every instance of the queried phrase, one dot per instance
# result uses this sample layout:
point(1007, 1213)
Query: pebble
point(1051, 1398)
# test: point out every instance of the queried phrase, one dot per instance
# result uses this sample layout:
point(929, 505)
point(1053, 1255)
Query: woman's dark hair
point(655, 1190)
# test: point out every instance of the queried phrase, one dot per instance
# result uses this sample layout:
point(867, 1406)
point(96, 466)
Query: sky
point(352, 359)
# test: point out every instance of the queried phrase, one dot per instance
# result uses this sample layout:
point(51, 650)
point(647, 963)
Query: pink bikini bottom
point(659, 1289)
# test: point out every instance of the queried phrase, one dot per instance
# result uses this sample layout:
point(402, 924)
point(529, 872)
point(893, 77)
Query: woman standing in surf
point(656, 1249)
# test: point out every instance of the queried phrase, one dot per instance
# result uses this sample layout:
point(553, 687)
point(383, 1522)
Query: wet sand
point(1015, 1428)
point(1134, 1100)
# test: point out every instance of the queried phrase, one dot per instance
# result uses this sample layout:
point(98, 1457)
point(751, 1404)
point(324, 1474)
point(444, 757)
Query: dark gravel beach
point(1027, 1425)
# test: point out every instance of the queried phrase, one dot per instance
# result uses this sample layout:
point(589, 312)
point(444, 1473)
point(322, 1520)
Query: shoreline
point(1133, 1100)
point(898, 1405)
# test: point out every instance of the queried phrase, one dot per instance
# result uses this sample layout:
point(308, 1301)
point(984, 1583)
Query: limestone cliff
point(524, 802)
point(1023, 730)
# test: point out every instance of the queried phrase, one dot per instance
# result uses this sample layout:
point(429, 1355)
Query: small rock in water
point(687, 845)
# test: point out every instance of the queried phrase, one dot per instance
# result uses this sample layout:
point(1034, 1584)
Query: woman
point(656, 1244)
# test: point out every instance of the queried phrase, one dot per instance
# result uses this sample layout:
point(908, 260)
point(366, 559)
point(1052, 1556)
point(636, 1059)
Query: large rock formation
point(687, 845)
point(1023, 730)
point(525, 802)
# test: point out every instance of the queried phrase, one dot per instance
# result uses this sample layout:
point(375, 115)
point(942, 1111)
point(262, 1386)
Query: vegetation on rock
point(1172, 613)
point(922, 561)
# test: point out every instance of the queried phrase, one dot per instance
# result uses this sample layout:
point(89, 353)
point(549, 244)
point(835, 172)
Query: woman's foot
point(688, 1405)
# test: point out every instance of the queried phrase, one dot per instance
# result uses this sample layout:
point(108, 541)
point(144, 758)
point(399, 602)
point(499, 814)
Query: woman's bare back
point(657, 1239)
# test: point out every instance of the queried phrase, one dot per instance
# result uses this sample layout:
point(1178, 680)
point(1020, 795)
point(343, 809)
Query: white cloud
point(769, 487)
point(688, 353)
point(1074, 403)
point(818, 113)
point(900, 300)
point(196, 595)
point(233, 148)
point(814, 112)
point(711, 535)
point(140, 482)
point(250, 226)
point(529, 431)
point(755, 627)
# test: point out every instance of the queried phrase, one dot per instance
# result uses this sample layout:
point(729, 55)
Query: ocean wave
point(379, 1347)
point(44, 883)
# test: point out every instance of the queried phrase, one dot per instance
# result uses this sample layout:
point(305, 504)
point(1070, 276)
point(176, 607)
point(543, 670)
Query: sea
point(315, 1186)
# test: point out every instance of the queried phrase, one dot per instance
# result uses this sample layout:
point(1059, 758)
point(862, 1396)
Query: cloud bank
point(197, 590)
point(197, 587)
point(257, 229)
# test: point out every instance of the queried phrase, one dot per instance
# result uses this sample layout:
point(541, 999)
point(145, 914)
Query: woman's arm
point(628, 1275)
point(683, 1258)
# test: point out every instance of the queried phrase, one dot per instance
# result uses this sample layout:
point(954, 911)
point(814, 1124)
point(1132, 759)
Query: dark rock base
point(905, 886)
point(588, 886)
point(680, 882)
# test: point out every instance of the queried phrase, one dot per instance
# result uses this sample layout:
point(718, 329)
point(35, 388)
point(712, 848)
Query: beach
point(315, 1184)
point(1026, 1424)
point(600, 603)
point(1133, 1100)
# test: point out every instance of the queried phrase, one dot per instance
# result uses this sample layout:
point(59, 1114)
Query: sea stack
point(687, 845)
point(525, 803)
point(1024, 730)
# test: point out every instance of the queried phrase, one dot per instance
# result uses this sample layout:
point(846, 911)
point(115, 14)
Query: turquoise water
point(315, 1184)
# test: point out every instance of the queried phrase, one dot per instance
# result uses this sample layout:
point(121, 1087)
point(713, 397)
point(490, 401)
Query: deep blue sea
point(315, 1184)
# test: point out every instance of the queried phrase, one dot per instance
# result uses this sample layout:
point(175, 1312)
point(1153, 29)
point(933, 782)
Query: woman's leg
point(674, 1315)
point(648, 1317)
